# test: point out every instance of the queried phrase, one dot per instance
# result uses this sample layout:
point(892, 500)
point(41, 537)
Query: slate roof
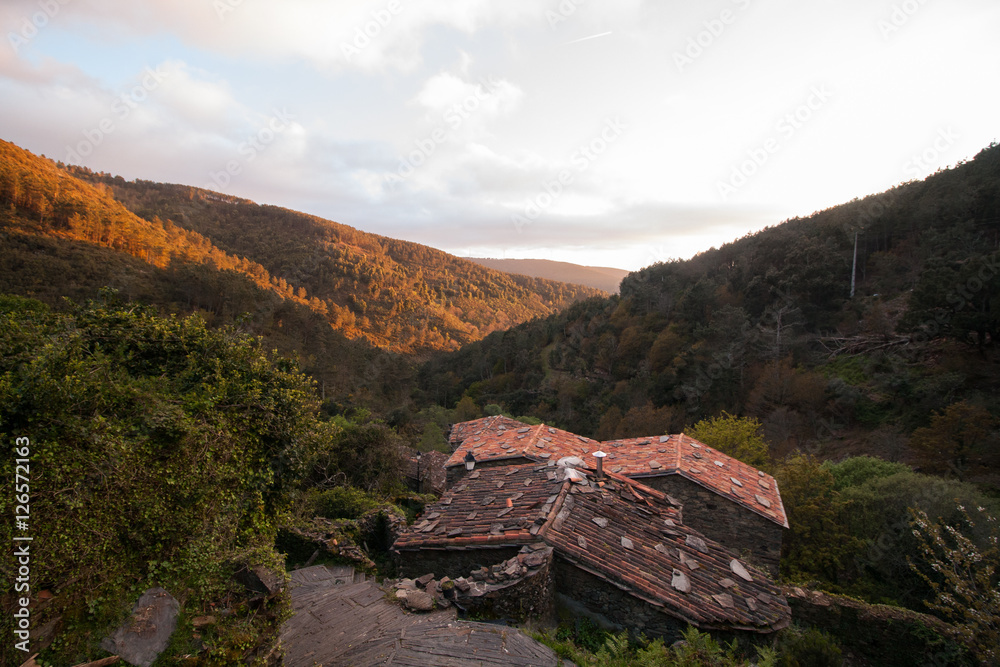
point(431, 468)
point(476, 511)
point(496, 438)
point(617, 529)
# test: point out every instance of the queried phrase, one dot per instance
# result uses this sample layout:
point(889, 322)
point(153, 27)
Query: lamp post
point(418, 473)
point(470, 461)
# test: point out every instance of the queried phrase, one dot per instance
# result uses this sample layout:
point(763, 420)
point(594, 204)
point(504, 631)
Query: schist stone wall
point(452, 563)
point(610, 606)
point(747, 533)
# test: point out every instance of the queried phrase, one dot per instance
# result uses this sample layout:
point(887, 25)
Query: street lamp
point(418, 472)
point(470, 461)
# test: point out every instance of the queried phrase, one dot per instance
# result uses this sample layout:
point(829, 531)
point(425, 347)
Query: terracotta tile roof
point(496, 438)
point(618, 530)
point(476, 510)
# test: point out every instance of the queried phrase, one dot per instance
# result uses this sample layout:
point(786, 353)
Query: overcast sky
point(605, 133)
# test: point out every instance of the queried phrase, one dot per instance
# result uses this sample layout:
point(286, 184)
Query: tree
point(963, 577)
point(739, 437)
point(466, 410)
point(958, 440)
point(817, 544)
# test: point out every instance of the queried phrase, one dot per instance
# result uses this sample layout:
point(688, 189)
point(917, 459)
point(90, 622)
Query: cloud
point(370, 35)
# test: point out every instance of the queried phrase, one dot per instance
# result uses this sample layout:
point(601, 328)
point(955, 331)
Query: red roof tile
point(493, 438)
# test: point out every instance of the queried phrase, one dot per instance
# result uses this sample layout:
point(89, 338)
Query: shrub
point(343, 502)
point(808, 648)
point(857, 470)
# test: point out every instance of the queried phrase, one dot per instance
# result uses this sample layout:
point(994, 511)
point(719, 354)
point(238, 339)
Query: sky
point(602, 133)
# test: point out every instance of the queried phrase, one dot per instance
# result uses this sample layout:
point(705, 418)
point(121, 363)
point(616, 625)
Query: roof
point(494, 438)
point(476, 511)
point(430, 467)
point(617, 529)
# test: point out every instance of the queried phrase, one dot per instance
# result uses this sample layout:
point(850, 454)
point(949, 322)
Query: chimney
point(600, 464)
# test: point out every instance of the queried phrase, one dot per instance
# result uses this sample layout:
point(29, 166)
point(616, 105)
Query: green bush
point(160, 453)
point(808, 648)
point(343, 502)
point(857, 470)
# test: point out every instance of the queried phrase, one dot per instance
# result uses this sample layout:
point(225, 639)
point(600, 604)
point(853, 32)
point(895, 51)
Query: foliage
point(739, 437)
point(808, 647)
point(764, 327)
point(432, 439)
point(961, 439)
point(964, 578)
point(857, 470)
point(342, 502)
point(161, 452)
point(588, 647)
point(816, 545)
point(365, 454)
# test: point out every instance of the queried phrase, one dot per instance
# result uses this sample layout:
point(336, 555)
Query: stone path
point(342, 618)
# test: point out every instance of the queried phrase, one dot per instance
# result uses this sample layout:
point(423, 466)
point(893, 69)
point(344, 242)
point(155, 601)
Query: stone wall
point(877, 634)
point(609, 606)
point(452, 563)
point(748, 534)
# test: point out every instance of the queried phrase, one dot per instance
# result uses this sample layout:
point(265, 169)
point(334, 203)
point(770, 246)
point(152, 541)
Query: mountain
point(599, 277)
point(395, 295)
point(767, 326)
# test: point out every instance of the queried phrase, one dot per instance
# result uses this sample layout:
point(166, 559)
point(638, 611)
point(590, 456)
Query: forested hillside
point(398, 295)
point(767, 326)
point(600, 277)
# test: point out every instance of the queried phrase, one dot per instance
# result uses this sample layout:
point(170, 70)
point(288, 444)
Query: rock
point(697, 543)
point(680, 582)
point(147, 632)
point(424, 580)
point(419, 601)
point(406, 584)
point(480, 574)
point(200, 622)
point(402, 593)
point(261, 579)
point(739, 570)
point(536, 559)
point(463, 585)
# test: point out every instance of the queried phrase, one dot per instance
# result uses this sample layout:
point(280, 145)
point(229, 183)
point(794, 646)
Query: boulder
point(147, 632)
point(261, 579)
point(419, 601)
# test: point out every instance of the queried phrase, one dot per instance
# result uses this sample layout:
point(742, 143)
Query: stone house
point(424, 472)
point(729, 501)
point(620, 552)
